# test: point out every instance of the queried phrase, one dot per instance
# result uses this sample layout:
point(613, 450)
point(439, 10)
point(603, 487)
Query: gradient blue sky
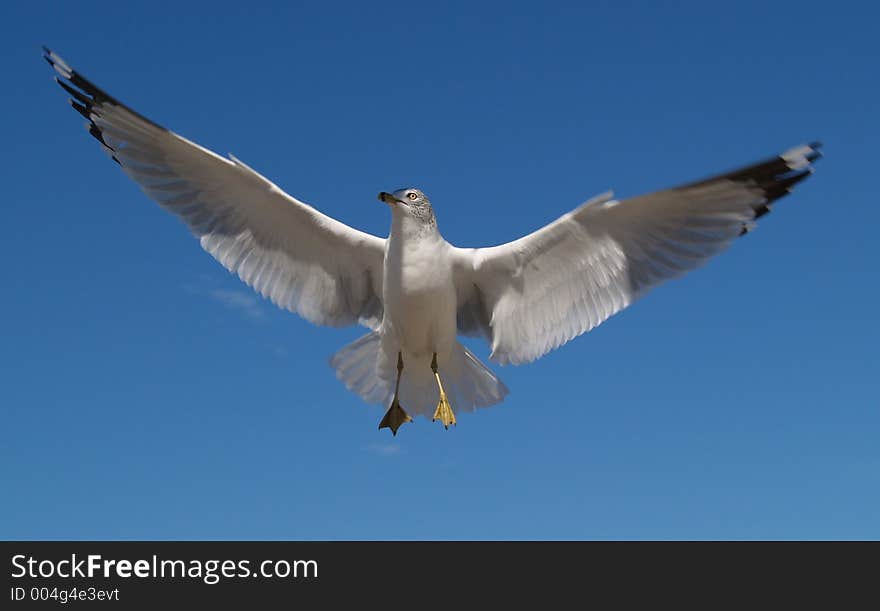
point(146, 393)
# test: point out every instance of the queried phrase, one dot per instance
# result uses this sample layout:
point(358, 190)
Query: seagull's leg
point(444, 412)
point(396, 416)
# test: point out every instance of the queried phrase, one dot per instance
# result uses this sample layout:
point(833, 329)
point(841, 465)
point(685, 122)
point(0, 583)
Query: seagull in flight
point(416, 292)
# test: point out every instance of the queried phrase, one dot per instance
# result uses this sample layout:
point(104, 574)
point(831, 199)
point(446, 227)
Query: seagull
point(415, 292)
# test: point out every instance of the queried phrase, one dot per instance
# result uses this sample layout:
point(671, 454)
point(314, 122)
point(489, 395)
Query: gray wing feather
point(301, 259)
point(534, 294)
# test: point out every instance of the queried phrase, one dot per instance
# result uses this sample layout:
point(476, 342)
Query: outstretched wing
point(532, 295)
point(302, 260)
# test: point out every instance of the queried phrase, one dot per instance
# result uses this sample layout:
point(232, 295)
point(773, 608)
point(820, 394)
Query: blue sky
point(147, 394)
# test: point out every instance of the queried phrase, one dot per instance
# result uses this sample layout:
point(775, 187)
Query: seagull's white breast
point(419, 294)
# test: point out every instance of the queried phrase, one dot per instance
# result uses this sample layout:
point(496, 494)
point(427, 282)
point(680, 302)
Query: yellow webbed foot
point(444, 412)
point(395, 417)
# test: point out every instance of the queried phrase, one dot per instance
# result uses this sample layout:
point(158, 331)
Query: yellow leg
point(444, 412)
point(396, 416)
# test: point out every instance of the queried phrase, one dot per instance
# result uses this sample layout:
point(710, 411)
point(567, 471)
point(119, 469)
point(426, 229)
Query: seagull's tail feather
point(369, 370)
point(359, 367)
point(468, 382)
point(472, 383)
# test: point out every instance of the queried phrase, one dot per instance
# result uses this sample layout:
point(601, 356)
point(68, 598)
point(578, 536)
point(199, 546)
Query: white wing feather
point(287, 251)
point(534, 294)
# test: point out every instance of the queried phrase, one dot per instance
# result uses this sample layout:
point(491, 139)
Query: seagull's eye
point(412, 196)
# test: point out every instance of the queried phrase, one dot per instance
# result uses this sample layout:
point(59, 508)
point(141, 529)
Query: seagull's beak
point(388, 198)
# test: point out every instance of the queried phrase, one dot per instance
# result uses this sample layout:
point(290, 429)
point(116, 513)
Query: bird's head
point(410, 202)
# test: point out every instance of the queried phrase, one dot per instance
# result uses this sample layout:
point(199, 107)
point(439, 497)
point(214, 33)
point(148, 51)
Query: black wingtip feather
point(93, 94)
point(761, 211)
point(99, 136)
point(790, 180)
point(774, 177)
point(79, 96)
point(87, 98)
point(782, 185)
point(81, 109)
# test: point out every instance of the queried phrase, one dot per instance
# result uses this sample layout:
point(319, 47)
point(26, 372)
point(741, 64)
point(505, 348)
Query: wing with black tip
point(534, 294)
point(286, 250)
